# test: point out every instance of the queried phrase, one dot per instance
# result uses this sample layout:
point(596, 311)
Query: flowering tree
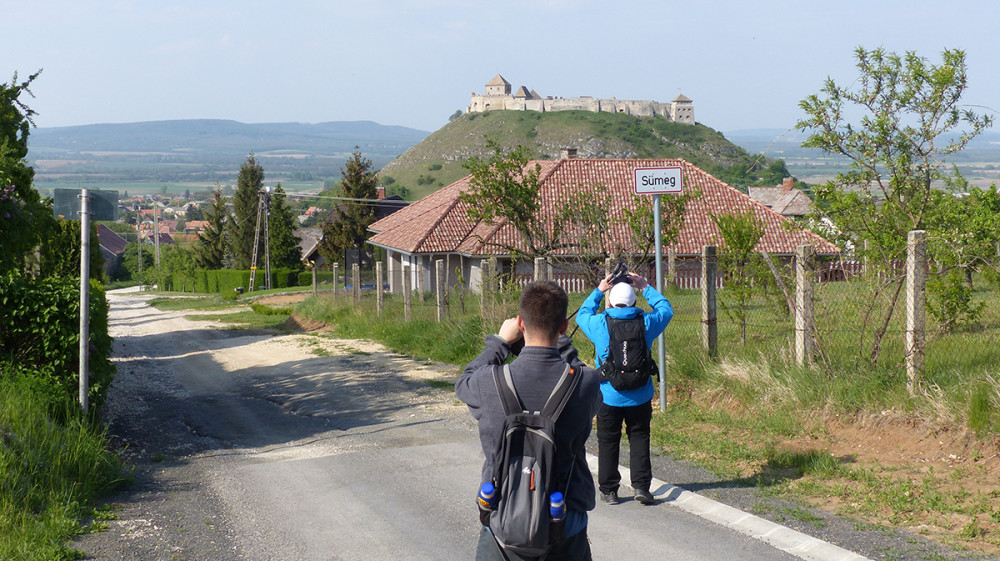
point(23, 214)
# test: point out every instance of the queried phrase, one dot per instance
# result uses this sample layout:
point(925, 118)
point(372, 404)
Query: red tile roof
point(438, 223)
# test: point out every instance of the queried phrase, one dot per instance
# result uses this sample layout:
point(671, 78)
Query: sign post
point(84, 299)
point(657, 181)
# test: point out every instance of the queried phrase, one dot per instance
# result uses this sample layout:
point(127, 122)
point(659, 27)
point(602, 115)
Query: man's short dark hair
point(543, 307)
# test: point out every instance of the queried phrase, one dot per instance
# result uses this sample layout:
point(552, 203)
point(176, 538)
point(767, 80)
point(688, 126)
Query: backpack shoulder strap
point(505, 387)
point(560, 395)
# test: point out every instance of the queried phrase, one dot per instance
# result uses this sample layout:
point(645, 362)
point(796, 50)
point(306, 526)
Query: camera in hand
point(620, 273)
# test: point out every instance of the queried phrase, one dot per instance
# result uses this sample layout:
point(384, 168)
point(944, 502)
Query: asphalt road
point(251, 446)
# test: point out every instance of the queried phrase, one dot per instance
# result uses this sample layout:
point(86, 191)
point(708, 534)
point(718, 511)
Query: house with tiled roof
point(438, 227)
point(784, 199)
point(112, 246)
point(196, 226)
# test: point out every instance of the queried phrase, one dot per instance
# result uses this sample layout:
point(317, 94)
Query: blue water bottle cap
point(556, 498)
point(487, 489)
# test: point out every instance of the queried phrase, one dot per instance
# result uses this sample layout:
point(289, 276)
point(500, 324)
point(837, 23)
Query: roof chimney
point(380, 192)
point(568, 153)
point(788, 184)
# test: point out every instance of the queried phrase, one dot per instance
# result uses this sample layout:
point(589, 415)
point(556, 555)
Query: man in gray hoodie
point(540, 327)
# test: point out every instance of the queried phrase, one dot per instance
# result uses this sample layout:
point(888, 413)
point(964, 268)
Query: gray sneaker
point(610, 498)
point(643, 496)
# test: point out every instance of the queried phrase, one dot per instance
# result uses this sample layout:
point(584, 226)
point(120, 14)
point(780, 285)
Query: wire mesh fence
point(858, 323)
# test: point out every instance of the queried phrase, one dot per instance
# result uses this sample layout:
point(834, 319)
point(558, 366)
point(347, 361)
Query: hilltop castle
point(498, 96)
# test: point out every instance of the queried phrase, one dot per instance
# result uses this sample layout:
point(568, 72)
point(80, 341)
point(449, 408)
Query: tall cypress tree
point(211, 250)
point(284, 243)
point(349, 227)
point(242, 229)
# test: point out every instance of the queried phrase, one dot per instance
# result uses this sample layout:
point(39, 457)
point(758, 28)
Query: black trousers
point(574, 548)
point(609, 435)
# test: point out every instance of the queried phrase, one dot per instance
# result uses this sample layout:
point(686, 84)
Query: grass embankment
point(53, 462)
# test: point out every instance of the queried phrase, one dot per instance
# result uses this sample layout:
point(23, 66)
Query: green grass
point(53, 463)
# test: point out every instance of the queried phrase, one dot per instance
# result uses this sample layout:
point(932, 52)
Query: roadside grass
point(53, 463)
point(259, 316)
point(738, 414)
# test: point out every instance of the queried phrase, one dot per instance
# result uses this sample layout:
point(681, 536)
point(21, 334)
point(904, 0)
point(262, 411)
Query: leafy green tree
point(195, 213)
point(211, 251)
point(285, 251)
point(741, 232)
point(910, 120)
point(132, 269)
point(641, 222)
point(24, 215)
point(349, 227)
point(60, 251)
point(242, 228)
point(504, 187)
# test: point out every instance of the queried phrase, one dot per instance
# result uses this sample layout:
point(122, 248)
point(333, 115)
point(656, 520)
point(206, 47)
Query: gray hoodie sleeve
point(479, 371)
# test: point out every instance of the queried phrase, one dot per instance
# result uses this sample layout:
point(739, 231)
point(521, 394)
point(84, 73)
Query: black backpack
point(630, 362)
point(526, 468)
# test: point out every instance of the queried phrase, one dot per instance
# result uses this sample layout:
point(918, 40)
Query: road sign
point(103, 204)
point(654, 181)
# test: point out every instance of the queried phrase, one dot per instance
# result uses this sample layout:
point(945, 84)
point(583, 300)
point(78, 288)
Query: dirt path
point(192, 397)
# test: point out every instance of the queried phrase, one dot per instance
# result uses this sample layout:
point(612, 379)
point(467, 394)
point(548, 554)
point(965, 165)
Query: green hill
point(437, 160)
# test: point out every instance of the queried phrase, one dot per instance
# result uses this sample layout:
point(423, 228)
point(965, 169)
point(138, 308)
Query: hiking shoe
point(610, 498)
point(643, 497)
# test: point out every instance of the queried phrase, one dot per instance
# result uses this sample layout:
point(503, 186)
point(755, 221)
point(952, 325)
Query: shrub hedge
point(223, 281)
point(40, 334)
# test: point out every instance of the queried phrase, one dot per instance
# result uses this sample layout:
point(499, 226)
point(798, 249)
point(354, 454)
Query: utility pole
point(138, 234)
point(263, 212)
point(156, 235)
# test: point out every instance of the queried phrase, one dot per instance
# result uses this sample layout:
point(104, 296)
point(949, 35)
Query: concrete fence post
point(421, 286)
point(671, 267)
point(356, 283)
point(916, 314)
point(315, 275)
point(407, 293)
point(441, 281)
point(379, 291)
point(709, 310)
point(803, 306)
point(539, 268)
point(609, 265)
point(336, 269)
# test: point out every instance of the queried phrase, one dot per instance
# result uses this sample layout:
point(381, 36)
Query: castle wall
point(682, 112)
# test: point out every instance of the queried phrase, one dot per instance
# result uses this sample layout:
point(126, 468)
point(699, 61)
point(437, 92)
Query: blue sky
point(745, 64)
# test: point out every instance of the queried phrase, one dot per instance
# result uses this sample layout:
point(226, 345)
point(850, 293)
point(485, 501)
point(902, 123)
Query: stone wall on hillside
point(498, 96)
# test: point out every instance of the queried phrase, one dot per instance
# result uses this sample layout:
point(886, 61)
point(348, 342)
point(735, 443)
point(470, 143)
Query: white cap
point(621, 294)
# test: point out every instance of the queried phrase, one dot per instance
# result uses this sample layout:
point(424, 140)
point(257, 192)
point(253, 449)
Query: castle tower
point(682, 110)
point(498, 86)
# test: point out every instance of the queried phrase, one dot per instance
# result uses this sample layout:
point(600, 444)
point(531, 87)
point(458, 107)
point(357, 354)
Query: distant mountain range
point(221, 136)
point(778, 143)
point(207, 151)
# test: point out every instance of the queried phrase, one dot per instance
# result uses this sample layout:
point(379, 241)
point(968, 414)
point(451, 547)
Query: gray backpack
point(526, 468)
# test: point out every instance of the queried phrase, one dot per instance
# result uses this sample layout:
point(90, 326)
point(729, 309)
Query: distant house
point(112, 248)
point(784, 199)
point(309, 239)
point(438, 226)
point(195, 226)
point(384, 206)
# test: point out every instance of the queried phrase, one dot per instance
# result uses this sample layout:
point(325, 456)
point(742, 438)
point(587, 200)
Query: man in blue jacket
point(632, 407)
